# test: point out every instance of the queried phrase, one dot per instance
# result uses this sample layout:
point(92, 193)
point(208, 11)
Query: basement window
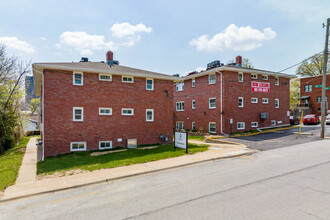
point(254, 124)
point(105, 145)
point(273, 122)
point(78, 146)
point(212, 127)
point(240, 125)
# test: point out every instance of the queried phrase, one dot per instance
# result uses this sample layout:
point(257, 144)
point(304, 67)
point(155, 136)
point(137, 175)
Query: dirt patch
point(60, 174)
point(106, 152)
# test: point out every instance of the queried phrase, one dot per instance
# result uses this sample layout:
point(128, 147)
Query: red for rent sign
point(260, 87)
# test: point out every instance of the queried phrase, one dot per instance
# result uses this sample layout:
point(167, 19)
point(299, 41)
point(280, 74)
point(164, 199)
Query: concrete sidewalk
point(26, 187)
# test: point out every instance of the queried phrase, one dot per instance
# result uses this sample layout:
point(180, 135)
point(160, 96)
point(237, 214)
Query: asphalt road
point(285, 138)
point(284, 183)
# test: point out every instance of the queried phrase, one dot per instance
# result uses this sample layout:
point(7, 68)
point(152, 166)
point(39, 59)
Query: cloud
point(199, 69)
point(43, 38)
point(233, 37)
point(14, 43)
point(126, 29)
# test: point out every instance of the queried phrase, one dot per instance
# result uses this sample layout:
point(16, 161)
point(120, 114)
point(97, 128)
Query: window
point(212, 127)
point(254, 124)
point(240, 125)
point(105, 145)
point(78, 114)
point(193, 83)
point(308, 88)
point(150, 115)
point(127, 111)
point(105, 111)
point(264, 77)
point(179, 125)
point(78, 79)
point(240, 102)
point(254, 100)
point(150, 84)
point(78, 146)
point(277, 81)
point(264, 100)
point(277, 103)
point(180, 106)
point(273, 122)
point(105, 77)
point(193, 125)
point(254, 76)
point(319, 99)
point(212, 79)
point(179, 87)
point(212, 103)
point(193, 104)
point(240, 77)
point(127, 79)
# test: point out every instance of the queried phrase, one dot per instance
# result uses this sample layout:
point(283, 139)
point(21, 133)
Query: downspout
point(221, 131)
point(43, 117)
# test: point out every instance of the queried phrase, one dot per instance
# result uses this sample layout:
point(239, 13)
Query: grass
point(197, 138)
point(10, 163)
point(83, 160)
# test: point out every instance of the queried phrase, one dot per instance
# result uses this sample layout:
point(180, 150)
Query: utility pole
point(324, 79)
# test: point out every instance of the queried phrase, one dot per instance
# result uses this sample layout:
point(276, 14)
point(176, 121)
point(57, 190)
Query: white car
point(327, 120)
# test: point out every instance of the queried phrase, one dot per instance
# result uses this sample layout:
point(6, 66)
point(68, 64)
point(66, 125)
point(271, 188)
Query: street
point(283, 183)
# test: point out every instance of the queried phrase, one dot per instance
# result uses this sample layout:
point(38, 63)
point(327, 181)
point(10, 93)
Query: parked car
point(294, 121)
point(311, 119)
point(327, 120)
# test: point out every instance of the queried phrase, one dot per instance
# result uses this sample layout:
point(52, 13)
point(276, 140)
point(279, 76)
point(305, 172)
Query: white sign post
point(181, 140)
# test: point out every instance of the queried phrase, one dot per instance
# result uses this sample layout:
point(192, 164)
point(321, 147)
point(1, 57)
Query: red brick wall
point(232, 89)
point(315, 92)
point(61, 96)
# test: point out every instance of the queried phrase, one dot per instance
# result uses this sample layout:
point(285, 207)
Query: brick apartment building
point(98, 105)
point(228, 98)
point(311, 94)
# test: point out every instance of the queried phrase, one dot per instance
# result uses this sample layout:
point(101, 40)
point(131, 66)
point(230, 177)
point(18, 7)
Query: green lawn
point(10, 163)
point(197, 138)
point(83, 160)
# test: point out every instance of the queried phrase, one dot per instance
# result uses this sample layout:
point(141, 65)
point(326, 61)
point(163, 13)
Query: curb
point(125, 177)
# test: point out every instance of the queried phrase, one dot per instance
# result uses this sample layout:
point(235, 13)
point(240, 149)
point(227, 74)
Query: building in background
point(102, 105)
point(29, 91)
point(229, 98)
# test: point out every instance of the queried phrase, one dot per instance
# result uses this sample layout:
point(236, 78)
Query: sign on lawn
point(260, 87)
point(181, 140)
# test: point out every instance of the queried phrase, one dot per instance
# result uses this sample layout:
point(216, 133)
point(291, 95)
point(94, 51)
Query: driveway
point(285, 138)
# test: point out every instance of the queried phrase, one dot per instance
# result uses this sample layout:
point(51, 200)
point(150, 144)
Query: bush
point(8, 142)
point(201, 130)
point(193, 130)
point(186, 129)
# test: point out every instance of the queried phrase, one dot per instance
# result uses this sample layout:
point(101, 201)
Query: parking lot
point(284, 138)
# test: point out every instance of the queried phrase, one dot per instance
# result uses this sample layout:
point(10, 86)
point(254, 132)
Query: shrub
point(186, 129)
point(193, 130)
point(201, 130)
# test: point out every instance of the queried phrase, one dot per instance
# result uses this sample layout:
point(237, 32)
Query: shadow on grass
point(83, 160)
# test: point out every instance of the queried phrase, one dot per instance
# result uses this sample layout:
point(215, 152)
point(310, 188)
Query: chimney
point(239, 61)
point(109, 56)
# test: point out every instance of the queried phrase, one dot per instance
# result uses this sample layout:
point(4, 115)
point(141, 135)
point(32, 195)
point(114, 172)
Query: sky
point(171, 37)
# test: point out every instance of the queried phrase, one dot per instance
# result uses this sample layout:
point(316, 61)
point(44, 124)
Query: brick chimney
point(239, 61)
point(109, 56)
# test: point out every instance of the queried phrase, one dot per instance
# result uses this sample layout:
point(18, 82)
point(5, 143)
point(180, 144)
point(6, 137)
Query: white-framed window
point(179, 125)
point(105, 111)
point(193, 104)
point(127, 111)
point(254, 100)
point(149, 84)
point(212, 103)
point(105, 145)
point(277, 103)
point(264, 77)
point(150, 115)
point(308, 88)
point(254, 76)
point(240, 125)
point(277, 81)
point(212, 78)
point(193, 125)
point(78, 79)
point(78, 146)
point(179, 87)
point(180, 106)
point(319, 99)
point(78, 114)
point(127, 79)
point(240, 77)
point(240, 102)
point(105, 77)
point(254, 124)
point(264, 100)
point(273, 122)
point(193, 82)
point(212, 127)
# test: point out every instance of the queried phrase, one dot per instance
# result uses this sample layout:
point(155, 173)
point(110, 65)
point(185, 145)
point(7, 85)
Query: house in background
point(101, 105)
point(228, 98)
point(311, 94)
point(29, 91)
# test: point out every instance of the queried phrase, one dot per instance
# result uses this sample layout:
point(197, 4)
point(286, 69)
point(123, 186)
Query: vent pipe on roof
point(239, 61)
